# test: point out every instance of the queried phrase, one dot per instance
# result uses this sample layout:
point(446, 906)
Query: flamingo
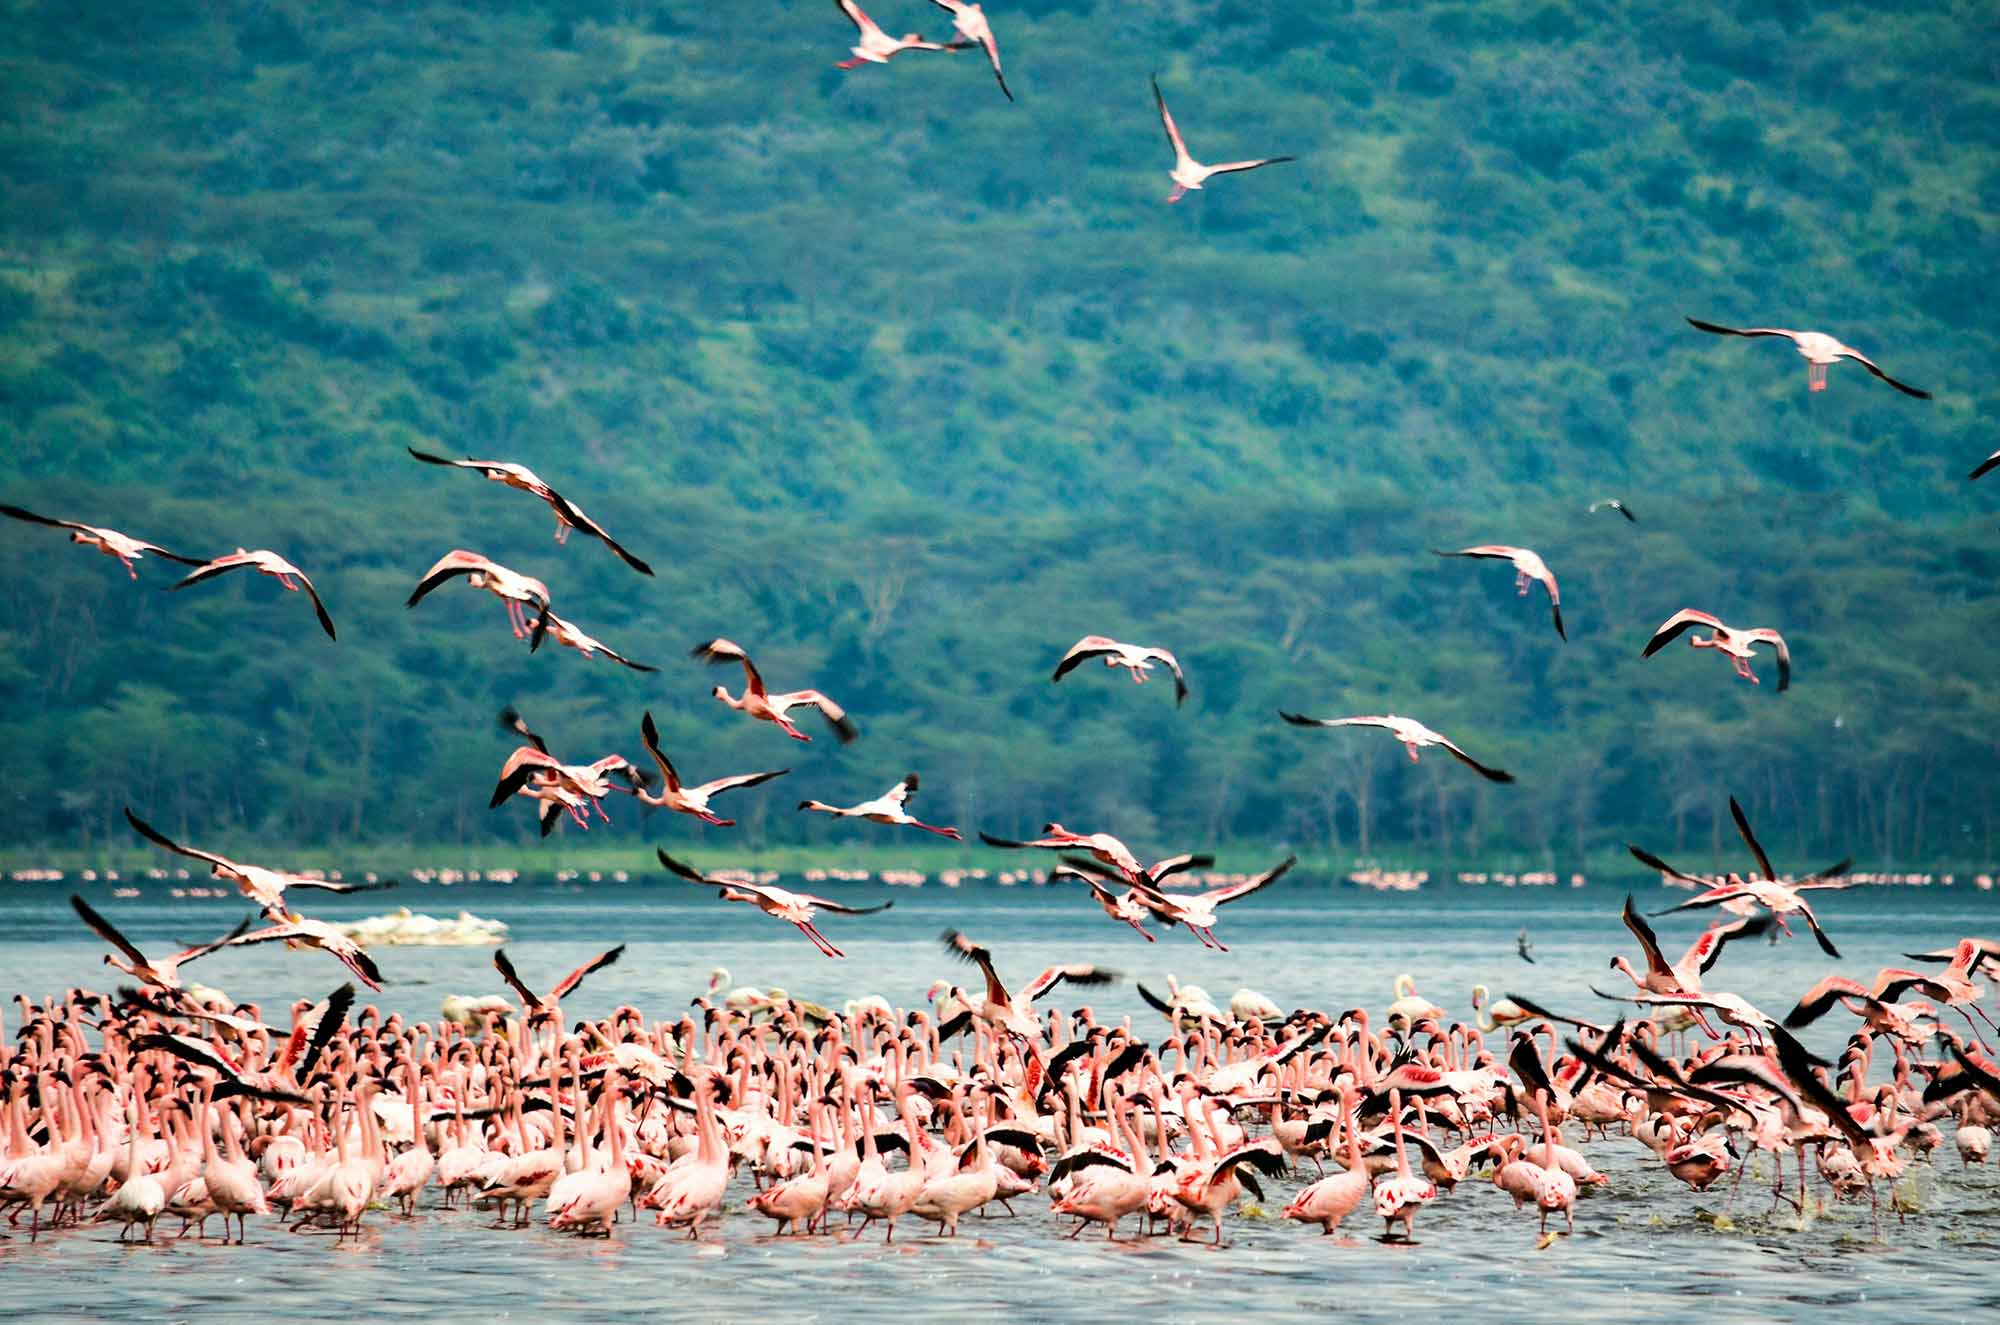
point(1197, 910)
point(1001, 1008)
point(794, 908)
point(1612, 503)
point(675, 796)
point(1413, 734)
point(1684, 976)
point(1335, 1196)
point(1189, 173)
point(1124, 906)
point(1102, 846)
point(570, 637)
point(300, 932)
point(1737, 644)
point(549, 1008)
point(513, 589)
point(884, 809)
point(970, 21)
point(874, 46)
point(1528, 568)
point(1398, 1198)
point(265, 887)
point(1819, 351)
point(163, 974)
point(109, 541)
point(519, 477)
point(760, 703)
point(264, 563)
point(141, 1196)
point(1136, 658)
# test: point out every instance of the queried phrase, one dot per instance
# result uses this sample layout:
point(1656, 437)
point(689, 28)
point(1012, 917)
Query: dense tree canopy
point(905, 388)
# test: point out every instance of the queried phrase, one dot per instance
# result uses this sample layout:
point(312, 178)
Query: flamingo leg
point(1411, 746)
point(790, 730)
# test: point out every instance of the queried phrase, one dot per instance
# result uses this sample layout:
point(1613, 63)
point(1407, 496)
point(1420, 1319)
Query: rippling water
point(1645, 1247)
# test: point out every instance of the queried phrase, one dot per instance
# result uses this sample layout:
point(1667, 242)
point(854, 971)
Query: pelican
point(1819, 351)
point(1189, 173)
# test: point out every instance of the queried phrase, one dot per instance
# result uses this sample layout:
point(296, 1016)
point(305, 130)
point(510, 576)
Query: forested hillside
point(905, 387)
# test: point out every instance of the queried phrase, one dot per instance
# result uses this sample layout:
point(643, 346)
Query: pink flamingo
point(676, 796)
point(1819, 351)
point(1739, 645)
point(109, 541)
point(1528, 568)
point(1138, 659)
point(1189, 173)
point(519, 477)
point(888, 808)
point(762, 704)
point(264, 563)
point(1413, 734)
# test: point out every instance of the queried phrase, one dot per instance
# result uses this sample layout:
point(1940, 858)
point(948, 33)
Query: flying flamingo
point(1102, 846)
point(1683, 976)
point(794, 908)
point(884, 809)
point(263, 886)
point(1819, 351)
point(1189, 173)
point(1742, 896)
point(510, 587)
point(1528, 567)
point(300, 932)
point(684, 799)
point(1002, 1009)
point(760, 703)
point(1197, 910)
point(1616, 505)
point(1739, 645)
point(161, 974)
point(109, 541)
point(1413, 734)
point(568, 514)
point(1138, 659)
point(970, 20)
point(549, 1008)
point(570, 637)
point(265, 563)
point(875, 46)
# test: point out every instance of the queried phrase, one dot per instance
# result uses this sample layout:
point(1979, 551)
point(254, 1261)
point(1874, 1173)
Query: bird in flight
point(1138, 659)
point(109, 541)
point(1819, 350)
point(1413, 734)
point(1529, 568)
point(1189, 173)
point(1739, 645)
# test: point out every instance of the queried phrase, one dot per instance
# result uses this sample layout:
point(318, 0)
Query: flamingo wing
point(958, 945)
point(899, 795)
point(573, 515)
point(1651, 861)
point(219, 566)
point(1178, 864)
point(1750, 839)
point(1173, 133)
point(1706, 951)
point(1298, 720)
point(1218, 896)
point(450, 565)
point(1082, 975)
point(1777, 641)
point(319, 608)
point(1090, 646)
point(1174, 666)
point(1985, 467)
point(1231, 167)
point(649, 736)
point(159, 839)
point(1490, 774)
point(1812, 923)
point(841, 908)
point(836, 717)
point(1673, 626)
point(107, 931)
point(857, 17)
point(1649, 942)
point(1715, 330)
point(720, 651)
point(19, 514)
point(690, 873)
point(1870, 365)
point(575, 978)
point(502, 964)
point(321, 1023)
point(720, 785)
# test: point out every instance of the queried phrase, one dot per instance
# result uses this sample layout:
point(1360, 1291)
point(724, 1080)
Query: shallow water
point(1644, 1239)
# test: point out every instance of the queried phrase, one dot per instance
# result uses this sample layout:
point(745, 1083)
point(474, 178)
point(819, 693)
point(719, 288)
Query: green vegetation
point(905, 388)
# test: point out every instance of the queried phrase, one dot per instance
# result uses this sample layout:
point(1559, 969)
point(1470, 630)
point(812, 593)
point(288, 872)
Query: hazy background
point(905, 388)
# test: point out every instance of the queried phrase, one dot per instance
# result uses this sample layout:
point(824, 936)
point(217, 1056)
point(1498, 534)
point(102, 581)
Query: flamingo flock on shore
point(151, 1103)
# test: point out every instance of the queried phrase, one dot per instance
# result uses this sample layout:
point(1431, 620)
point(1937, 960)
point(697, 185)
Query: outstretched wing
point(597, 963)
point(1672, 628)
point(513, 979)
point(649, 736)
point(1750, 839)
point(107, 931)
point(1217, 896)
point(159, 839)
point(958, 945)
point(1776, 641)
point(1868, 363)
point(717, 652)
point(1074, 974)
point(1713, 329)
point(1648, 940)
point(1167, 122)
point(1490, 774)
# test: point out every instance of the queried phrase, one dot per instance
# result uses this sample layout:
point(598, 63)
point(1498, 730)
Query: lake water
point(1644, 1247)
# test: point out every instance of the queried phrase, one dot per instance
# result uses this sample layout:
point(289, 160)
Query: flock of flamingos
point(165, 1100)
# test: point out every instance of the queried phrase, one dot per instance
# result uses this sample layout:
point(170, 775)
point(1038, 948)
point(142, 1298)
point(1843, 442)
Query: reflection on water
point(1645, 1247)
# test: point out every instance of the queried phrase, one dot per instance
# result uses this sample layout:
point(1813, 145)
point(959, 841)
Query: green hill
point(905, 388)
